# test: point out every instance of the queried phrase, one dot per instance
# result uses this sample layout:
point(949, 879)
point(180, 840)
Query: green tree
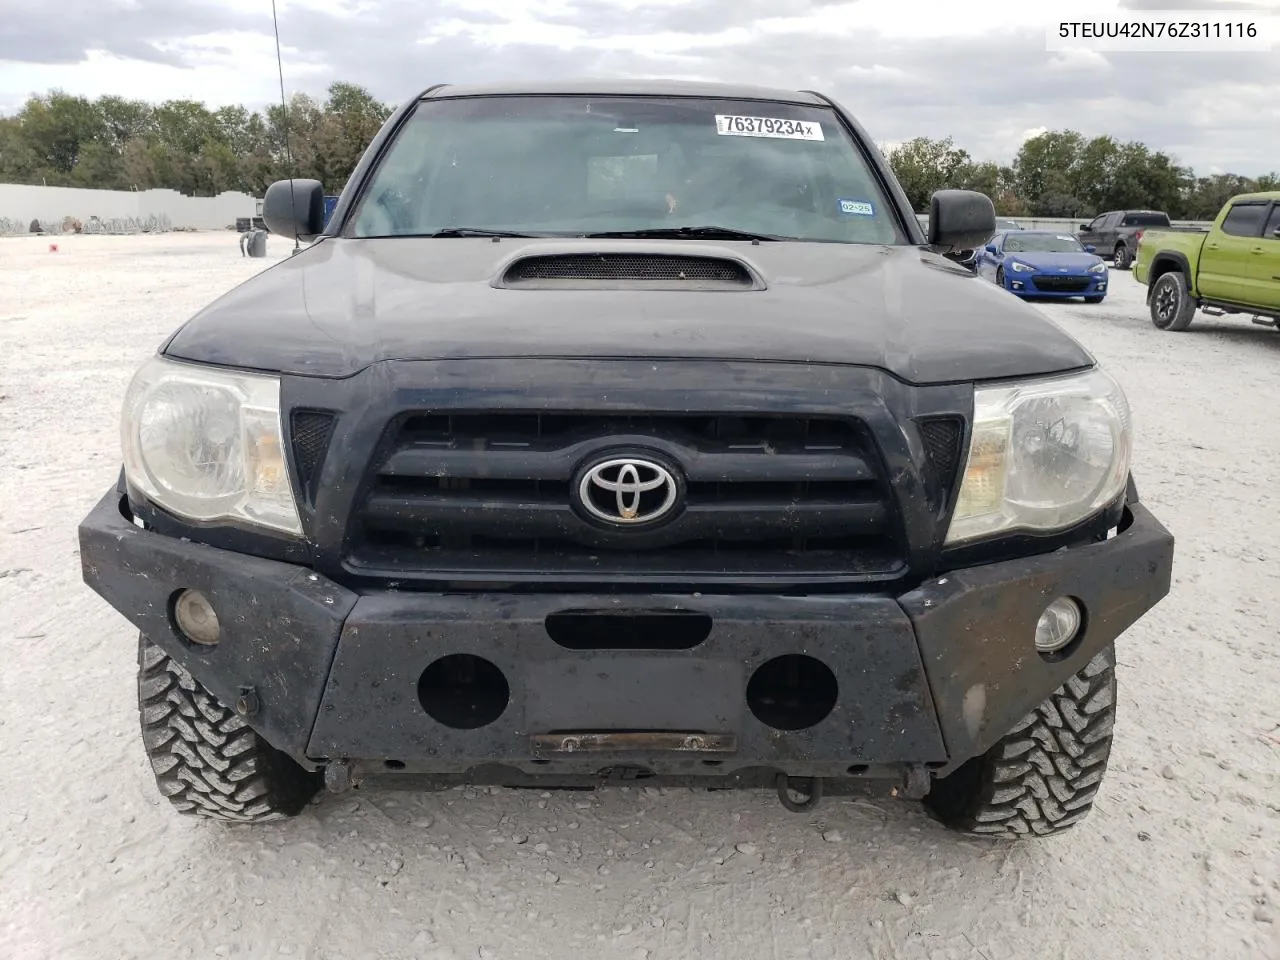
point(923, 165)
point(56, 127)
point(1044, 170)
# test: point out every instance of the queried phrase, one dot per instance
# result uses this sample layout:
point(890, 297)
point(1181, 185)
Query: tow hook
point(339, 777)
point(809, 788)
point(915, 783)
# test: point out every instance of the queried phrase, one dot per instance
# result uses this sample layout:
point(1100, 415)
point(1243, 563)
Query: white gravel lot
point(1181, 857)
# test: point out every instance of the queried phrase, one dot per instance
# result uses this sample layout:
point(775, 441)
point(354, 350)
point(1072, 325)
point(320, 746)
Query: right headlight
point(1043, 456)
point(206, 444)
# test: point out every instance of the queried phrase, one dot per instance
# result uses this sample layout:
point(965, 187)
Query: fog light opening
point(463, 691)
point(792, 692)
point(195, 618)
point(1059, 626)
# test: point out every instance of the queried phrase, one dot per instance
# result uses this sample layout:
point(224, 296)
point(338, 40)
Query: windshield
point(1026, 242)
point(575, 166)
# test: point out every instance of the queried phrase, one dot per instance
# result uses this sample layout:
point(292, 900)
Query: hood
point(340, 305)
point(1056, 261)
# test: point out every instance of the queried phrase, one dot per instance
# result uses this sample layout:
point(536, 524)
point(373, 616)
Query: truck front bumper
point(563, 686)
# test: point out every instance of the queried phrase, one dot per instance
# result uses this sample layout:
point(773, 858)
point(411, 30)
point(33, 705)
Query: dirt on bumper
point(555, 685)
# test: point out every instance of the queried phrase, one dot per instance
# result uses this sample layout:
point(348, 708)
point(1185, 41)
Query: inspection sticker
point(733, 126)
point(857, 208)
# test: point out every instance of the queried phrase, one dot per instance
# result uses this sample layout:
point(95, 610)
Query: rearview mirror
point(294, 209)
point(960, 220)
point(1089, 248)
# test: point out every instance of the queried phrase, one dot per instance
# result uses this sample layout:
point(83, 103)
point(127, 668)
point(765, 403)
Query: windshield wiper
point(478, 232)
point(692, 233)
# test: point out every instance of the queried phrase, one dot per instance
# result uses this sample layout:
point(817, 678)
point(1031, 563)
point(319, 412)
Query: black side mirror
point(1084, 227)
point(294, 209)
point(960, 220)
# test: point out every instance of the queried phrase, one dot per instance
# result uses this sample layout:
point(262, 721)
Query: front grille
point(627, 267)
point(473, 495)
point(1051, 284)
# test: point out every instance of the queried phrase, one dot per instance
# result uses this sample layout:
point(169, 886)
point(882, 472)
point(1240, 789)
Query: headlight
point(1043, 456)
point(1018, 267)
point(206, 444)
point(1098, 268)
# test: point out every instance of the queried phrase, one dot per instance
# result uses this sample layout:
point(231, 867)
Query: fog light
point(1017, 284)
point(1058, 625)
point(196, 619)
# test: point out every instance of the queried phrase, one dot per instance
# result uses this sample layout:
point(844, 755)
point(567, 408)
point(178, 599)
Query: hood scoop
point(648, 271)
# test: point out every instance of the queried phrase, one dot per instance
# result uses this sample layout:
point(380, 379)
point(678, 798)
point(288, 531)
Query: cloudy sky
point(978, 71)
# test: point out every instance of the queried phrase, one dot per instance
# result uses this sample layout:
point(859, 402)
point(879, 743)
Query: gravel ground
point(1181, 857)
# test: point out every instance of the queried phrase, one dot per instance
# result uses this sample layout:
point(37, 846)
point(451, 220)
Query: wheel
point(1041, 777)
point(1122, 259)
point(1171, 305)
point(999, 276)
point(1093, 299)
point(207, 760)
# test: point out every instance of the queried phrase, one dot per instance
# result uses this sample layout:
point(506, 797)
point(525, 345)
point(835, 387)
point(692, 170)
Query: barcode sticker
point(735, 126)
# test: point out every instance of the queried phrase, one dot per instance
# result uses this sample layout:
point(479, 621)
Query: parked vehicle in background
point(969, 258)
point(1233, 268)
point(1116, 233)
point(1043, 264)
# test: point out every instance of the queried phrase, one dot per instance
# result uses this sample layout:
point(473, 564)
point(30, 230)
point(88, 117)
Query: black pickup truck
point(1115, 234)
point(617, 432)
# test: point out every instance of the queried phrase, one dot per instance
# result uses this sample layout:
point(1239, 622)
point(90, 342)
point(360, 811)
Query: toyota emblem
point(628, 490)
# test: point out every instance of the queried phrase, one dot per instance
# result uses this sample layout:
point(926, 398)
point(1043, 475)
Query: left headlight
point(207, 444)
point(1043, 456)
point(1019, 267)
point(1098, 268)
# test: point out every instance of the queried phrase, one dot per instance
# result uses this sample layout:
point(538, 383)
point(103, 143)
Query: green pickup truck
point(1232, 268)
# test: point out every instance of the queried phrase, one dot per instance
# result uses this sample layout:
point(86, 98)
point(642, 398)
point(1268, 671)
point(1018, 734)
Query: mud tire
point(207, 761)
point(1041, 778)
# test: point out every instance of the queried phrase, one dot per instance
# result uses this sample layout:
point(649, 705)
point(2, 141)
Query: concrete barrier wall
point(23, 203)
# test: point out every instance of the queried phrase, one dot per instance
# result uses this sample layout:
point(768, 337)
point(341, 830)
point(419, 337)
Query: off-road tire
point(1042, 776)
point(1176, 312)
point(207, 761)
point(1121, 258)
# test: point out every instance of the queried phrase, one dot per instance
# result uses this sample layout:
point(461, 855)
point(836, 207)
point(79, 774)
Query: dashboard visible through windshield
point(624, 165)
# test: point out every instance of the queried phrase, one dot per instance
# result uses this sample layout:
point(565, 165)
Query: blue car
point(1042, 264)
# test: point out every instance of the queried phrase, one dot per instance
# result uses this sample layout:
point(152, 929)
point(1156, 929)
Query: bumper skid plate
point(457, 684)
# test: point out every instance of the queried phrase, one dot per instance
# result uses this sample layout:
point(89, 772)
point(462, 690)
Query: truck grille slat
point(461, 496)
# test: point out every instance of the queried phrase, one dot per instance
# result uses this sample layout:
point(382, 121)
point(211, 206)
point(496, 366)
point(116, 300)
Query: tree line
point(1062, 173)
point(113, 143)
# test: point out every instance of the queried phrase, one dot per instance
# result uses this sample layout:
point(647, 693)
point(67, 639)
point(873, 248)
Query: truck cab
point(1233, 268)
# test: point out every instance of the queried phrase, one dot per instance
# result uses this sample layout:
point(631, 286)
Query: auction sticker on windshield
point(734, 126)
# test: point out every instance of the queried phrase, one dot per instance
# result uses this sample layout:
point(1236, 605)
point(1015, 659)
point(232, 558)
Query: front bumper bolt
point(247, 702)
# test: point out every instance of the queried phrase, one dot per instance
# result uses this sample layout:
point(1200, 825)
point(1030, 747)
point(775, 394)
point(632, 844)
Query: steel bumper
point(926, 679)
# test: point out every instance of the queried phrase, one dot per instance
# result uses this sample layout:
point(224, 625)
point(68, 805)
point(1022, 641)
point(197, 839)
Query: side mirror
point(991, 248)
point(960, 219)
point(1089, 248)
point(294, 209)
point(1084, 227)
